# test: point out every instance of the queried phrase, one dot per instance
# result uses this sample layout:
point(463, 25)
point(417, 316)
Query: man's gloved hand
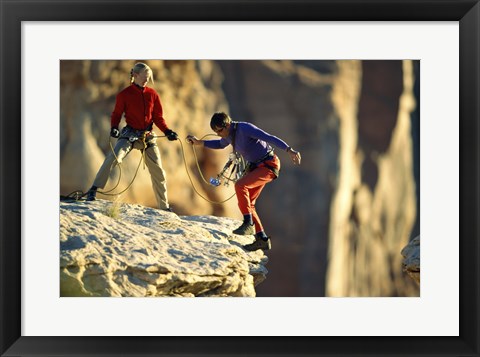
point(171, 135)
point(114, 133)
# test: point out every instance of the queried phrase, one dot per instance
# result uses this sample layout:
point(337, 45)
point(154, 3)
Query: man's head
point(220, 123)
point(140, 74)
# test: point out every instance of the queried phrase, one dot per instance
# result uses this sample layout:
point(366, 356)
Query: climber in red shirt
point(141, 105)
point(142, 108)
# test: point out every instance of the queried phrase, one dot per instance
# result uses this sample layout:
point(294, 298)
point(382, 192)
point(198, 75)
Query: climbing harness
point(237, 167)
point(264, 161)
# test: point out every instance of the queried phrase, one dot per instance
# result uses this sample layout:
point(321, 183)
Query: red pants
point(249, 187)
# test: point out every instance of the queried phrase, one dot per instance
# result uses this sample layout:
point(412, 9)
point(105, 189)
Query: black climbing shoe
point(259, 244)
point(245, 229)
point(92, 194)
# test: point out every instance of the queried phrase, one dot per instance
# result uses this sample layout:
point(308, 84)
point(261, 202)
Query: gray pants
point(152, 160)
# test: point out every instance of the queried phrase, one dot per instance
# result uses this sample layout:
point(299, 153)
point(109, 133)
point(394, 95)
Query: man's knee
point(119, 155)
point(152, 145)
point(116, 159)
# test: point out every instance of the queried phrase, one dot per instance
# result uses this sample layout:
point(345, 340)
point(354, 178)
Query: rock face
point(411, 259)
point(143, 252)
point(339, 221)
point(374, 206)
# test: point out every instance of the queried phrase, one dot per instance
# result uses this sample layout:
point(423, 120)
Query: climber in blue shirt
point(255, 145)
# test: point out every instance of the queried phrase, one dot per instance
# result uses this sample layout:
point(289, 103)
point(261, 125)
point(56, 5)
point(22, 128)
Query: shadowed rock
point(411, 259)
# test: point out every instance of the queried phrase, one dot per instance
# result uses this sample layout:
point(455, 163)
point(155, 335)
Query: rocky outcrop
point(411, 259)
point(114, 249)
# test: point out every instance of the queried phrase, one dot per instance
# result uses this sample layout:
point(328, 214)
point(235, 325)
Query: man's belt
point(270, 155)
point(137, 130)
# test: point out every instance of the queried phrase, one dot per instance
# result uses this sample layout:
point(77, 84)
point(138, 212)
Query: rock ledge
point(148, 252)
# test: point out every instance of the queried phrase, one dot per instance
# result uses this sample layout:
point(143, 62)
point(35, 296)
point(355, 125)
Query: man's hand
point(193, 140)
point(114, 133)
point(171, 135)
point(295, 156)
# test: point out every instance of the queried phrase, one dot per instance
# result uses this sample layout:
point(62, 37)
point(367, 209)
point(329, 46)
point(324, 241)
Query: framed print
point(49, 48)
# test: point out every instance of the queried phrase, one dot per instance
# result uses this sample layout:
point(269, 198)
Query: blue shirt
point(250, 141)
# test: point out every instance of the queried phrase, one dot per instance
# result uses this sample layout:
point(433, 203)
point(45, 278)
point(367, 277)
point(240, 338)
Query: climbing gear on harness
point(239, 167)
point(259, 243)
point(236, 172)
point(133, 135)
point(214, 181)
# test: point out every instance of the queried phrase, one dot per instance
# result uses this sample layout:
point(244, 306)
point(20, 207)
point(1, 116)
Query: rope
point(77, 195)
point(196, 159)
point(200, 171)
point(142, 158)
point(107, 193)
point(119, 165)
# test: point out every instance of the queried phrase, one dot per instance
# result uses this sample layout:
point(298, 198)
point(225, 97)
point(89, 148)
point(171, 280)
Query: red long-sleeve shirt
point(141, 106)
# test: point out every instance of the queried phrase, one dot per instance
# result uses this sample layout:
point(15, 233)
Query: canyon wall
point(374, 206)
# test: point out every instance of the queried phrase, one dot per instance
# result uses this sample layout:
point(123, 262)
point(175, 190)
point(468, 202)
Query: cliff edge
point(112, 249)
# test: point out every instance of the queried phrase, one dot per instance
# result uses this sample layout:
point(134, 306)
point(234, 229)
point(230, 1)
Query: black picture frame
point(13, 12)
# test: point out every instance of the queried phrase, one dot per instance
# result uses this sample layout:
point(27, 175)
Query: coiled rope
point(78, 195)
point(200, 172)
